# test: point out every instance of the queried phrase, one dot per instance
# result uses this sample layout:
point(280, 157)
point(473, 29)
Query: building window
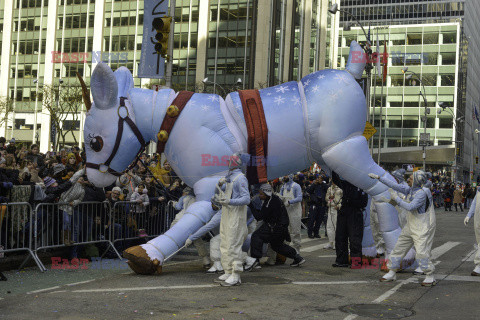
point(447, 80)
point(450, 37)
point(410, 123)
point(445, 123)
point(71, 125)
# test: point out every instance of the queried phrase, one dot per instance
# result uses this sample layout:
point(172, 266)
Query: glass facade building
point(463, 143)
point(395, 12)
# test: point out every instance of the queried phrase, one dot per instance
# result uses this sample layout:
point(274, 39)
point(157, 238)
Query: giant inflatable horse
point(319, 119)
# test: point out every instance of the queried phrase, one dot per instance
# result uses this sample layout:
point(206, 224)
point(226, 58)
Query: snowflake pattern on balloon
point(296, 101)
point(282, 89)
point(213, 98)
point(342, 78)
point(279, 100)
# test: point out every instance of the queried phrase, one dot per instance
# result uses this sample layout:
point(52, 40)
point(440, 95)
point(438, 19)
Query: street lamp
point(425, 140)
point(206, 81)
point(461, 119)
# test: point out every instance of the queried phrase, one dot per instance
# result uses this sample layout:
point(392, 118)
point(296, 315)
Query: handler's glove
point(393, 194)
point(465, 222)
point(374, 176)
point(188, 242)
point(221, 181)
point(223, 201)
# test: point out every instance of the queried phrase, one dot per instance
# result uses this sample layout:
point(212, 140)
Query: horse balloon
point(319, 119)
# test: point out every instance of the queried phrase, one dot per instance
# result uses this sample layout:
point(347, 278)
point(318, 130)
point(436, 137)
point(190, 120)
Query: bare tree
point(64, 104)
point(6, 107)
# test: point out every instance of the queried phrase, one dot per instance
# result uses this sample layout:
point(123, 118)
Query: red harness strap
point(180, 101)
point(257, 135)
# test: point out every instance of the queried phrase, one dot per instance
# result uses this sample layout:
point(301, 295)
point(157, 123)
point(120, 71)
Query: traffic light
point(476, 160)
point(162, 26)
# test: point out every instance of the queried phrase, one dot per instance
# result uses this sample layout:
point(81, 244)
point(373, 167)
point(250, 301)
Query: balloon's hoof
point(139, 261)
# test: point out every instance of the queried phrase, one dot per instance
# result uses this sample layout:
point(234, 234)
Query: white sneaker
point(476, 271)
point(328, 246)
point(418, 271)
point(212, 270)
point(216, 268)
point(222, 278)
point(390, 276)
point(249, 261)
point(429, 281)
point(233, 280)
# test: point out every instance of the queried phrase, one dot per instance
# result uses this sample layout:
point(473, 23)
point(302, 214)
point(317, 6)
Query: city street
point(314, 291)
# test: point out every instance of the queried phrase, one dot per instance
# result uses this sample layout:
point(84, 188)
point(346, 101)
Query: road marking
point(439, 251)
point(305, 240)
point(328, 256)
point(393, 290)
point(436, 253)
point(148, 288)
point(453, 277)
point(180, 262)
point(328, 282)
point(42, 290)
point(471, 255)
point(313, 248)
point(58, 291)
point(81, 282)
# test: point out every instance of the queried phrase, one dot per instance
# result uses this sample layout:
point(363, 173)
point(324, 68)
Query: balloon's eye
point(96, 143)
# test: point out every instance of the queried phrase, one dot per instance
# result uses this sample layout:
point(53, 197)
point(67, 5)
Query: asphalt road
point(314, 291)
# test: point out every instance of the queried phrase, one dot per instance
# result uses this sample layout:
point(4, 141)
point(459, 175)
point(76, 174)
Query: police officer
point(349, 223)
point(318, 206)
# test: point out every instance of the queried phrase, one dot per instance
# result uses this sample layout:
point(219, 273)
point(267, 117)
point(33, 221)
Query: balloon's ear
point(104, 87)
point(125, 81)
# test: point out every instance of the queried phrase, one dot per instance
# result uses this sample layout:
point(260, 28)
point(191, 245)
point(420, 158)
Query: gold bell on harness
point(173, 111)
point(162, 136)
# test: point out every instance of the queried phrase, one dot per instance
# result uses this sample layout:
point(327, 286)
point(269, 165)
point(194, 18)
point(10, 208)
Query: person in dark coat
point(318, 206)
point(274, 229)
point(349, 223)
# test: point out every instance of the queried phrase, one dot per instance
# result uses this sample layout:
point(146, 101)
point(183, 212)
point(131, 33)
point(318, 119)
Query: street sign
point(424, 136)
point(369, 131)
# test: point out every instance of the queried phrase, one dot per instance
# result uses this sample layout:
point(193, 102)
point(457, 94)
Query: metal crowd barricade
point(61, 224)
point(17, 225)
point(133, 222)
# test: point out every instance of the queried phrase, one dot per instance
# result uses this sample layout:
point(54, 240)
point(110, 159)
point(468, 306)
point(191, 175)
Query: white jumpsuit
point(233, 224)
point(334, 201)
point(292, 192)
point(418, 231)
point(475, 212)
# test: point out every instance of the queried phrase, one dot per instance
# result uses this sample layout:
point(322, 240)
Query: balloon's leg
point(352, 161)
